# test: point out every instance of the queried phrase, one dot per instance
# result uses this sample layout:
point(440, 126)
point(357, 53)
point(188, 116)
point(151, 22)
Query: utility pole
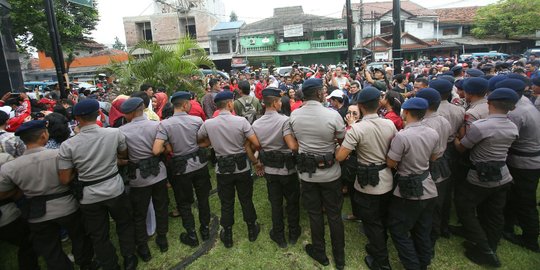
point(56, 48)
point(361, 23)
point(349, 35)
point(396, 37)
point(372, 36)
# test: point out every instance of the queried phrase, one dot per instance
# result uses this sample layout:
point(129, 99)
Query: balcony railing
point(297, 46)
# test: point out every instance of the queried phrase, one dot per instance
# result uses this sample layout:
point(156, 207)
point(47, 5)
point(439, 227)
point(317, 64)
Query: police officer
point(49, 205)
point(524, 165)
point(93, 154)
point(475, 95)
point(188, 166)
point(481, 198)
point(277, 145)
point(147, 176)
point(411, 207)
point(371, 139)
point(454, 115)
point(439, 168)
point(316, 129)
point(230, 137)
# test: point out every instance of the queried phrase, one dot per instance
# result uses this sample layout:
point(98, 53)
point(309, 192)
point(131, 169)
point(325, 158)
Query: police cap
point(429, 94)
point(131, 104)
point(312, 84)
point(223, 95)
point(271, 92)
point(474, 72)
point(475, 85)
point(181, 95)
point(441, 85)
point(368, 94)
point(85, 107)
point(415, 103)
point(30, 125)
point(515, 84)
point(494, 80)
point(504, 94)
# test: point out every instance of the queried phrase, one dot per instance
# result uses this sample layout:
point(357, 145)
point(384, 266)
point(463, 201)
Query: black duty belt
point(91, 183)
point(411, 186)
point(36, 207)
point(276, 159)
point(229, 163)
point(369, 174)
point(489, 171)
point(308, 163)
point(523, 154)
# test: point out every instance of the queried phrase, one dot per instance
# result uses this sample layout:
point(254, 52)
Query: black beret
point(223, 95)
point(368, 94)
point(30, 125)
point(451, 79)
point(441, 85)
point(181, 95)
point(515, 84)
point(456, 68)
point(312, 83)
point(475, 85)
point(494, 80)
point(85, 107)
point(473, 72)
point(415, 103)
point(271, 92)
point(429, 94)
point(504, 94)
point(131, 104)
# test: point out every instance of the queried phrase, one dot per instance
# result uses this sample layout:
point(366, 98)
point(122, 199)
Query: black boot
point(294, 234)
point(320, 258)
point(130, 262)
point(279, 238)
point(253, 231)
point(189, 238)
point(205, 232)
point(162, 243)
point(226, 237)
point(144, 252)
point(480, 257)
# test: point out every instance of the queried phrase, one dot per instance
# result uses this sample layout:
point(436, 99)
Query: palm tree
point(168, 66)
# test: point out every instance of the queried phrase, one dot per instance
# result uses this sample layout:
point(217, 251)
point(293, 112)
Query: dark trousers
point(45, 238)
point(442, 191)
point(183, 186)
point(480, 210)
point(288, 187)
point(96, 218)
point(242, 183)
point(315, 196)
point(521, 205)
point(140, 199)
point(374, 216)
point(17, 233)
point(410, 223)
point(452, 155)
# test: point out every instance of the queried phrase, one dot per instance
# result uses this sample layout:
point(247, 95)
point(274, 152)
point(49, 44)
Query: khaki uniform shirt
point(412, 148)
point(443, 128)
point(228, 134)
point(93, 153)
point(371, 139)
point(140, 135)
point(477, 110)
point(36, 174)
point(527, 119)
point(10, 212)
point(316, 129)
point(489, 140)
point(270, 130)
point(455, 116)
point(180, 131)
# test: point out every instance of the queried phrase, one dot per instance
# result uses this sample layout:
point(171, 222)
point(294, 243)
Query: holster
point(307, 163)
point(489, 171)
point(36, 207)
point(149, 166)
point(131, 170)
point(369, 175)
point(411, 186)
point(240, 160)
point(77, 187)
point(226, 164)
point(440, 168)
point(273, 159)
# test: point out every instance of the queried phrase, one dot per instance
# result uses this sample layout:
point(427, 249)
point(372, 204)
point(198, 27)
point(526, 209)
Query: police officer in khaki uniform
point(475, 95)
point(316, 129)
point(371, 139)
point(411, 207)
point(49, 205)
point(277, 145)
point(93, 155)
point(524, 164)
point(230, 137)
point(188, 166)
point(480, 200)
point(147, 176)
point(439, 168)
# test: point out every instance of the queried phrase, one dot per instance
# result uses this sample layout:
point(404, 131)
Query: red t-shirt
point(196, 110)
point(258, 90)
point(295, 105)
point(398, 122)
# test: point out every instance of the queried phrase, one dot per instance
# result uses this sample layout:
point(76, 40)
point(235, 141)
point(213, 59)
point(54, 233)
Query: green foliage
point(508, 18)
point(118, 45)
point(233, 17)
point(75, 22)
point(170, 67)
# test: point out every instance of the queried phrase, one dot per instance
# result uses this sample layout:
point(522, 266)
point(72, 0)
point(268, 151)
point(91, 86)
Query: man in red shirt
point(261, 84)
point(196, 109)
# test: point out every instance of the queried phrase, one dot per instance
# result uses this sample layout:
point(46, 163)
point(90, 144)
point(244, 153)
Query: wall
point(441, 31)
point(91, 61)
point(426, 32)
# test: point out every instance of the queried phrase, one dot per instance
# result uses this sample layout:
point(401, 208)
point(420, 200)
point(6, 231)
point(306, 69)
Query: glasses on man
point(352, 112)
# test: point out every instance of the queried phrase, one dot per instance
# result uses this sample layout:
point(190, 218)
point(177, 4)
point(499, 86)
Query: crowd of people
point(405, 148)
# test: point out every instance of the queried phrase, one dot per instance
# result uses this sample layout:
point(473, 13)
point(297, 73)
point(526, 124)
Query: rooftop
point(382, 8)
point(228, 25)
point(463, 15)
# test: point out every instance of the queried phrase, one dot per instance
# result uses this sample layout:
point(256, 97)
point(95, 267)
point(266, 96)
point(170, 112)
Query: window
point(450, 31)
point(223, 46)
point(145, 31)
point(188, 26)
point(234, 45)
point(191, 31)
point(420, 25)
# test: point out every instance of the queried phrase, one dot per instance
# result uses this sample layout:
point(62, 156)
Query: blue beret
point(536, 81)
point(223, 95)
point(181, 95)
point(456, 68)
point(459, 84)
point(475, 85)
point(429, 94)
point(515, 84)
point(504, 94)
point(494, 80)
point(85, 107)
point(474, 72)
point(312, 83)
point(131, 104)
point(441, 85)
point(415, 103)
point(368, 94)
point(30, 125)
point(271, 92)
point(451, 79)
point(522, 78)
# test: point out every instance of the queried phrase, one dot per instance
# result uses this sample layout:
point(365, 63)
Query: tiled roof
point(381, 8)
point(461, 15)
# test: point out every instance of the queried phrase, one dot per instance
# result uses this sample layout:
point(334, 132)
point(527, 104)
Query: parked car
point(206, 72)
point(286, 71)
point(533, 51)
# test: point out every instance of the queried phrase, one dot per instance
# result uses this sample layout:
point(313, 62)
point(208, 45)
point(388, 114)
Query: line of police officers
point(403, 185)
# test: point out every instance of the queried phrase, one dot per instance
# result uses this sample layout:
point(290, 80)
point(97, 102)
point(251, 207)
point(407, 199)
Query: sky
point(112, 11)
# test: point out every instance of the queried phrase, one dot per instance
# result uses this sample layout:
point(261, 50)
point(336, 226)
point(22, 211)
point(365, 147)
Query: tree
point(233, 17)
point(169, 67)
point(508, 18)
point(75, 23)
point(118, 45)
